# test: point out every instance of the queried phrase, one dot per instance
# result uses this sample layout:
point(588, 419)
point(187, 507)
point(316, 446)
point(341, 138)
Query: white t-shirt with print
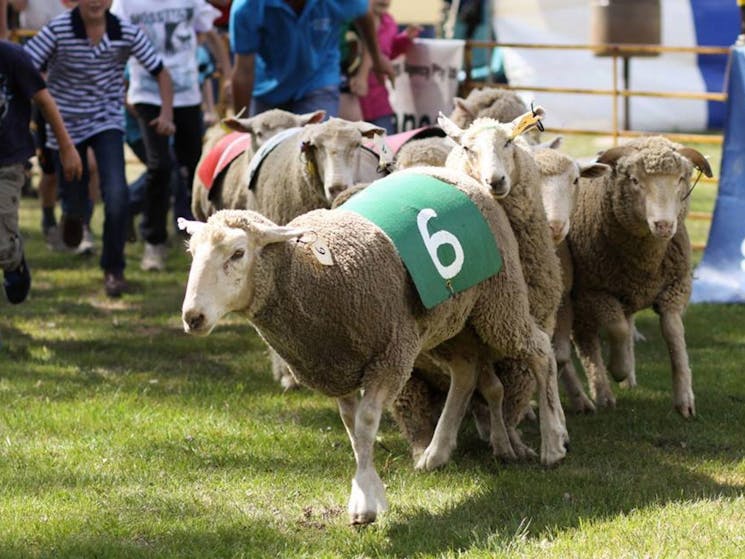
point(172, 27)
point(38, 12)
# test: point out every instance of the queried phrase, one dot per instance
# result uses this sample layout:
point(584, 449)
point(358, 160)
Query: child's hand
point(413, 31)
point(72, 167)
point(163, 125)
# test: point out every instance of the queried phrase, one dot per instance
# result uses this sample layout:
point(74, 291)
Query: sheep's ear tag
point(321, 251)
point(306, 148)
point(385, 161)
point(529, 120)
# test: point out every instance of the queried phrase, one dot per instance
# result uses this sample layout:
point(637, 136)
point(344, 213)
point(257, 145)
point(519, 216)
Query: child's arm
point(69, 156)
point(3, 19)
point(381, 65)
point(163, 123)
point(402, 41)
point(216, 46)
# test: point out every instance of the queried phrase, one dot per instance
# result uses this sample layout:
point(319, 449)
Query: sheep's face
point(219, 279)
point(270, 123)
point(489, 157)
point(659, 198)
point(560, 176)
point(332, 150)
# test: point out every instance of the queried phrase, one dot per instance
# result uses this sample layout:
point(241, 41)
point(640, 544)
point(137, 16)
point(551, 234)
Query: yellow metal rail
point(616, 92)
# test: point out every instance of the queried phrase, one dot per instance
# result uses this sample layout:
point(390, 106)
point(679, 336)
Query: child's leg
point(73, 196)
point(17, 282)
point(109, 148)
point(11, 245)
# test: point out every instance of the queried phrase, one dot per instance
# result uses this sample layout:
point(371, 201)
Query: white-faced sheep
point(224, 194)
point(494, 153)
point(369, 326)
point(560, 175)
point(491, 152)
point(631, 251)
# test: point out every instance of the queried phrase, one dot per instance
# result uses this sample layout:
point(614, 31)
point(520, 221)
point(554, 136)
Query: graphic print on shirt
point(171, 31)
point(5, 97)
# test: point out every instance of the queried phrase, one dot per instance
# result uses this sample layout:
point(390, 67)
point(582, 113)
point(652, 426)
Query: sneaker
point(114, 283)
point(87, 244)
point(53, 239)
point(17, 283)
point(72, 230)
point(154, 258)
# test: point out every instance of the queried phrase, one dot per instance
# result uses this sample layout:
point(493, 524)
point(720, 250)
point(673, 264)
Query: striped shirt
point(87, 81)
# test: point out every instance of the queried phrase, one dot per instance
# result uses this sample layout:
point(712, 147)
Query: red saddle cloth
point(221, 155)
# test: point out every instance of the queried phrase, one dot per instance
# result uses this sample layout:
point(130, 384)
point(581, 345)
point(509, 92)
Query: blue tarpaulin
point(720, 278)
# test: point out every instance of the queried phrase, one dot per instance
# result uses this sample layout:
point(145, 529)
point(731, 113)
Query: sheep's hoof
point(686, 408)
point(604, 398)
point(504, 452)
point(432, 458)
point(362, 518)
point(581, 404)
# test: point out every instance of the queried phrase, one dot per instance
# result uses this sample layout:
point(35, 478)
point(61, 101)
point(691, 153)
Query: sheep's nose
point(498, 185)
point(336, 189)
point(557, 229)
point(193, 319)
point(664, 228)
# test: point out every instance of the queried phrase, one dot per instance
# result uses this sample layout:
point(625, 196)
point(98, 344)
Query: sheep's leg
point(671, 324)
point(348, 410)
point(462, 384)
point(554, 436)
point(562, 343)
point(621, 347)
point(588, 313)
point(493, 392)
point(415, 410)
point(281, 372)
point(368, 493)
point(630, 381)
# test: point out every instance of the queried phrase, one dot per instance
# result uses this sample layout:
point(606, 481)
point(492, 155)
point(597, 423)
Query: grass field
point(121, 436)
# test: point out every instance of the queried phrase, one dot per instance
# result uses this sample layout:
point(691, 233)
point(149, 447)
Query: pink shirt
point(392, 44)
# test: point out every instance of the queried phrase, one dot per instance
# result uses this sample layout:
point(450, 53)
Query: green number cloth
point(440, 234)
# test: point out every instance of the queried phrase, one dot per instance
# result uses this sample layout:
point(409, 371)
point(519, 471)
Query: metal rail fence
point(617, 54)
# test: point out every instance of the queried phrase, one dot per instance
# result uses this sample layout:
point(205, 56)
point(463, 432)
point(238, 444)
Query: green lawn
point(121, 436)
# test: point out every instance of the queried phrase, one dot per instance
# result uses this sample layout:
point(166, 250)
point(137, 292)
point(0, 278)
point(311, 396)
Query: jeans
point(326, 98)
point(108, 147)
point(187, 145)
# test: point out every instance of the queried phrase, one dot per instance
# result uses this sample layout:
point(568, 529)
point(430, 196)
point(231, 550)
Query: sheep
point(631, 251)
point(560, 175)
point(358, 323)
point(491, 152)
point(262, 127)
point(427, 152)
point(494, 153)
point(492, 102)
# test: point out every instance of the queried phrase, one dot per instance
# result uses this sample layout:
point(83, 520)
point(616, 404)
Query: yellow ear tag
point(527, 121)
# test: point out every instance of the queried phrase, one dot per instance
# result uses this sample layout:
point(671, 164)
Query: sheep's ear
point(553, 144)
point(463, 106)
point(527, 121)
point(238, 124)
point(451, 129)
point(311, 118)
point(269, 234)
point(697, 159)
point(612, 155)
point(369, 130)
point(190, 227)
point(593, 170)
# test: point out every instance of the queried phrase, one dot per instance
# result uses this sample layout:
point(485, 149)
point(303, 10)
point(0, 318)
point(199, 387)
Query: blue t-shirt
point(295, 54)
point(19, 82)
